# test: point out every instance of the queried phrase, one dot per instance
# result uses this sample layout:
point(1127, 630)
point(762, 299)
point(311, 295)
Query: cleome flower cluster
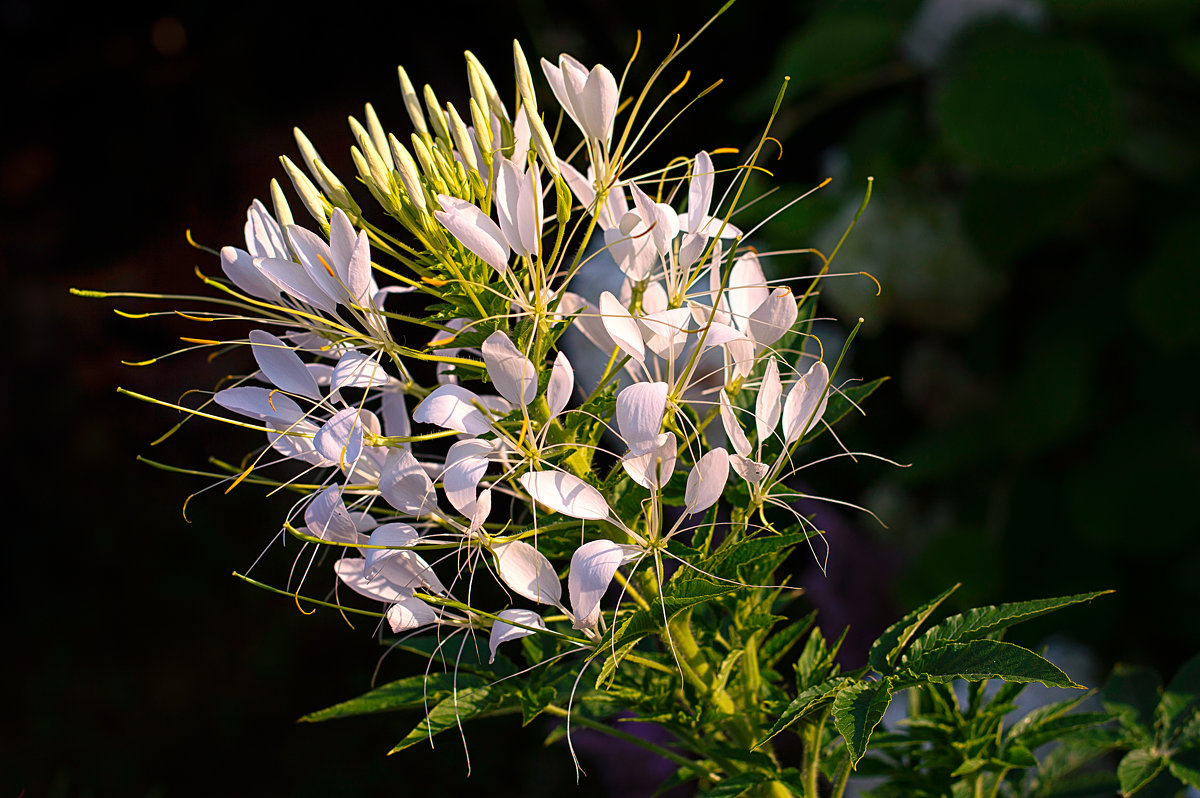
point(459, 482)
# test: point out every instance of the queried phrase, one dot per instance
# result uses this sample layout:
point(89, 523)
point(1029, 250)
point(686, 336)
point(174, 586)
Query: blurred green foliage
point(1035, 230)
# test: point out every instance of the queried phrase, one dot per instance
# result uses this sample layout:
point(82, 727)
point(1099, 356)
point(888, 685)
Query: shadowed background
point(1034, 226)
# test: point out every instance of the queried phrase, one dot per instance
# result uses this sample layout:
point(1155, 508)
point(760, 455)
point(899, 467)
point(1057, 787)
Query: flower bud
point(406, 167)
point(313, 202)
point(411, 103)
point(378, 136)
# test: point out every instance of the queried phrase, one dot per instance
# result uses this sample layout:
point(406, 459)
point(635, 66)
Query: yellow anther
point(328, 268)
point(436, 282)
point(205, 341)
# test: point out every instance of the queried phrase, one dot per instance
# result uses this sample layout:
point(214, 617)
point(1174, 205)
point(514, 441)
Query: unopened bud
point(336, 190)
point(412, 103)
point(462, 139)
point(437, 117)
point(310, 197)
point(541, 141)
point(482, 88)
point(524, 79)
point(410, 176)
point(283, 213)
point(378, 136)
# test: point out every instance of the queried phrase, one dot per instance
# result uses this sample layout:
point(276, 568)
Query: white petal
point(410, 613)
point(706, 481)
point(597, 103)
point(466, 463)
point(621, 327)
point(326, 517)
point(398, 565)
point(651, 466)
point(340, 439)
point(733, 429)
point(700, 190)
point(592, 567)
point(667, 331)
point(774, 317)
point(769, 402)
point(239, 266)
point(396, 536)
point(806, 402)
point(394, 410)
point(474, 230)
point(639, 411)
point(261, 403)
point(750, 470)
point(511, 372)
point(527, 572)
point(314, 254)
point(264, 236)
point(503, 632)
point(452, 407)
point(356, 370)
point(351, 258)
point(405, 485)
point(747, 289)
point(561, 385)
point(294, 280)
point(565, 493)
point(351, 571)
point(481, 510)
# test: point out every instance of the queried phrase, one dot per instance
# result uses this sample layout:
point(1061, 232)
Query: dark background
point(1034, 225)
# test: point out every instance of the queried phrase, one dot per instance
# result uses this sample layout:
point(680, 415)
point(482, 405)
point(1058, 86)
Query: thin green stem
point(603, 728)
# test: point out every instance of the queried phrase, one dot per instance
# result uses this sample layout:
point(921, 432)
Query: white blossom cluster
point(423, 486)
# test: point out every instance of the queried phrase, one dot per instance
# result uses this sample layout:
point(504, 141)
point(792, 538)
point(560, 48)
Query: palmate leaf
point(988, 659)
point(887, 649)
point(1182, 697)
point(857, 710)
point(474, 702)
point(983, 621)
point(1185, 766)
point(1137, 769)
point(803, 704)
point(409, 693)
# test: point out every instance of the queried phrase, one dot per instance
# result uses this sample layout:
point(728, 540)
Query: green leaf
point(684, 596)
point(1133, 692)
point(736, 785)
point(779, 644)
point(885, 651)
point(1185, 766)
point(408, 693)
point(816, 663)
point(609, 669)
point(535, 701)
point(1182, 695)
point(984, 621)
point(803, 704)
point(1057, 728)
point(988, 659)
point(728, 561)
point(475, 702)
point(857, 710)
point(1137, 769)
